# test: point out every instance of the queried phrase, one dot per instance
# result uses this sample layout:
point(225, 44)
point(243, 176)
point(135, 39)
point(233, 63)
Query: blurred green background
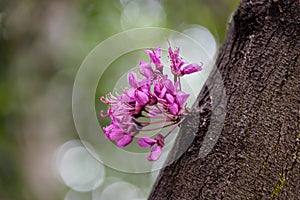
point(42, 44)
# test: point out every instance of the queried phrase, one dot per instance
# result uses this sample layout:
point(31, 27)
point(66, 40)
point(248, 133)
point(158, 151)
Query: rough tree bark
point(257, 155)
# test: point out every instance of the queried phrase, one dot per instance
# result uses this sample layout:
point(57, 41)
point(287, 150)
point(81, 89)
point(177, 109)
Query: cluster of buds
point(154, 99)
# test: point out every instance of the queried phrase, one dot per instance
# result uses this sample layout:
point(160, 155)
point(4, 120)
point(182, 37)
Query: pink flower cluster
point(154, 99)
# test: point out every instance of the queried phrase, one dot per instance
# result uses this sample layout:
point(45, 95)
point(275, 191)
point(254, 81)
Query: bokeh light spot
point(78, 168)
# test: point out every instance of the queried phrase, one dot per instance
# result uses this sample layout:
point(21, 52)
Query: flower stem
point(155, 122)
point(173, 128)
point(154, 129)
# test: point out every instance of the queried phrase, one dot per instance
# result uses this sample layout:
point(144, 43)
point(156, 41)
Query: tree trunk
point(257, 154)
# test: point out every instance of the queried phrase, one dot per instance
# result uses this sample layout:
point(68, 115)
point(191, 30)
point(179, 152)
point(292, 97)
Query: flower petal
point(116, 135)
point(137, 108)
point(133, 80)
point(126, 139)
point(145, 85)
point(155, 56)
point(157, 89)
point(158, 51)
point(169, 85)
point(169, 98)
point(155, 153)
point(181, 98)
point(163, 92)
point(146, 142)
point(128, 96)
point(191, 68)
point(146, 70)
point(173, 109)
point(141, 97)
point(107, 130)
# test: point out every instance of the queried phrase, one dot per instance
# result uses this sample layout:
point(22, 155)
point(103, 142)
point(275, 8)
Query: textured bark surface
point(257, 155)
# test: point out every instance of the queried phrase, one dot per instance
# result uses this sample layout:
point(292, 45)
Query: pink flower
point(146, 70)
point(176, 61)
point(191, 68)
point(153, 99)
point(155, 56)
point(156, 151)
point(179, 67)
point(115, 133)
point(141, 89)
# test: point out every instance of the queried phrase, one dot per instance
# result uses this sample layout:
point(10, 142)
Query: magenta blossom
point(155, 56)
point(179, 67)
point(155, 97)
point(156, 151)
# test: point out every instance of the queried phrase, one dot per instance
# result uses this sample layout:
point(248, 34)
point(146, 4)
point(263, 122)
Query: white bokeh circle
point(120, 190)
point(142, 13)
point(75, 195)
point(78, 168)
